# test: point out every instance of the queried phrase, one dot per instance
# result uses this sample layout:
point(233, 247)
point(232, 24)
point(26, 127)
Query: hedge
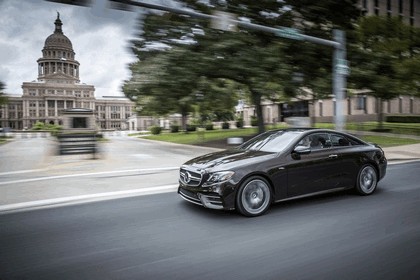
point(403, 119)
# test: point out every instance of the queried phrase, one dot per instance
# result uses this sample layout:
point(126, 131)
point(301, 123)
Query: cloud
point(100, 38)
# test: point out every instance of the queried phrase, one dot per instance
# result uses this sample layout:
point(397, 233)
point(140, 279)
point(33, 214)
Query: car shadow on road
point(301, 204)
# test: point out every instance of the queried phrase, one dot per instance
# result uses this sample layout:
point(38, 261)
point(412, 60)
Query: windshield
point(272, 141)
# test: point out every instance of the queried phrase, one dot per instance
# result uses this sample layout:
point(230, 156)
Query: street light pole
point(340, 71)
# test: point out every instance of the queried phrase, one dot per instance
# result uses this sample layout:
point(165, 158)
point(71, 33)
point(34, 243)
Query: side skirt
point(311, 194)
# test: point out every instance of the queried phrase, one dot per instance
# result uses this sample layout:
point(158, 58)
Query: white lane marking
point(22, 171)
point(87, 198)
point(88, 174)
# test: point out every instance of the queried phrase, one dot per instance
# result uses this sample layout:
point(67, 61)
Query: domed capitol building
point(58, 88)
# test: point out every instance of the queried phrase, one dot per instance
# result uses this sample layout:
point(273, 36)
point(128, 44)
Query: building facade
point(360, 107)
point(58, 88)
point(407, 10)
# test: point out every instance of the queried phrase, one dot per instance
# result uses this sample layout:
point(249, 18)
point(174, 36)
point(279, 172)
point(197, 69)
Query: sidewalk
point(402, 153)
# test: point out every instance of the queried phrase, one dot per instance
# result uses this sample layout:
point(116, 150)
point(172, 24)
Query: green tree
point(262, 63)
point(198, 52)
point(3, 99)
point(385, 59)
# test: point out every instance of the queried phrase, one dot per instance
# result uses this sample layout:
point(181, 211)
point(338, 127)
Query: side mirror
point(302, 150)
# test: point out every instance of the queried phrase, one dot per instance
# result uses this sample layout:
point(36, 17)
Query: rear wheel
point(367, 180)
point(254, 197)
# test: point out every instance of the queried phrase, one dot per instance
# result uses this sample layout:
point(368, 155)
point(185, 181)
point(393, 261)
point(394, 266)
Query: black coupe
point(279, 165)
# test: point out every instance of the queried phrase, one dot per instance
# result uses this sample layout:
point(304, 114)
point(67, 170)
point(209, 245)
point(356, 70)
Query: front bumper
point(210, 200)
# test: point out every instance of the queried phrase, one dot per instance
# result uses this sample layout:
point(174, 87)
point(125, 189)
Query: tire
point(254, 197)
point(367, 180)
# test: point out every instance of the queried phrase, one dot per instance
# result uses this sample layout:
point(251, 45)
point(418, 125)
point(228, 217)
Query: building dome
point(58, 58)
point(58, 39)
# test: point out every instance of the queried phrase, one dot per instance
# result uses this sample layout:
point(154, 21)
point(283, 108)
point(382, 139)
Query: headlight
point(218, 177)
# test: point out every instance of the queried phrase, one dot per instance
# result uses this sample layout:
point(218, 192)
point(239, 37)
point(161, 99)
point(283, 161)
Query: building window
point(69, 104)
point(321, 109)
point(115, 116)
point(400, 105)
point(412, 12)
point(60, 104)
point(400, 8)
point(361, 103)
point(411, 105)
point(388, 8)
point(364, 6)
point(349, 106)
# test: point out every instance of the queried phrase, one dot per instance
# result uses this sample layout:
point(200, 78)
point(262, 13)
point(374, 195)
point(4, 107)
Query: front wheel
point(254, 197)
point(367, 180)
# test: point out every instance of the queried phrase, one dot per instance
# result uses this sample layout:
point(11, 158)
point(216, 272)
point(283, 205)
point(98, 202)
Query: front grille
point(190, 178)
point(189, 196)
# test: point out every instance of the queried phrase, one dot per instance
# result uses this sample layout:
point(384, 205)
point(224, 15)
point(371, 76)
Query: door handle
point(333, 156)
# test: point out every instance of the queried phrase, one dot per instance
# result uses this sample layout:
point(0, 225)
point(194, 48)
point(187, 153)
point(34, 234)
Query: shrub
point(209, 126)
point(174, 128)
point(254, 121)
point(191, 127)
point(240, 123)
point(155, 130)
point(225, 125)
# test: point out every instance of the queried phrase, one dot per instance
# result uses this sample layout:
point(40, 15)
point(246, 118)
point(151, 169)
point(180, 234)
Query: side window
point(319, 141)
point(316, 141)
point(339, 140)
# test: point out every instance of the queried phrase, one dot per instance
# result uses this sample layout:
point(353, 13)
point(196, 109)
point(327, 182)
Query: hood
point(228, 159)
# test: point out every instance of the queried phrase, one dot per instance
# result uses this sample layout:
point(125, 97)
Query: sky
point(99, 35)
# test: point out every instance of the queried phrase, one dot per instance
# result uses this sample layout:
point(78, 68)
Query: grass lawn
point(220, 134)
point(197, 137)
point(384, 141)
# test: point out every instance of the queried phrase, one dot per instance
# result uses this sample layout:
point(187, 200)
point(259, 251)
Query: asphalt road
point(335, 236)
point(30, 170)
